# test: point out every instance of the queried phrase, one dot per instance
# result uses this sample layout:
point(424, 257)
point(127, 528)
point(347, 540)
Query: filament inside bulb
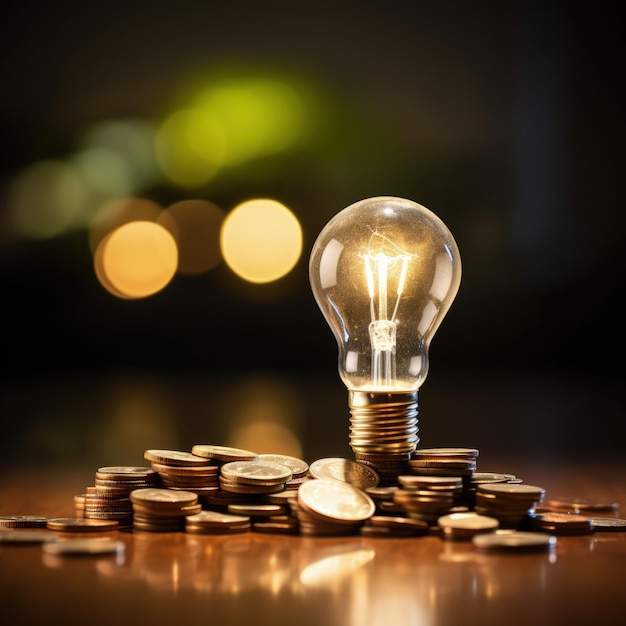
point(385, 264)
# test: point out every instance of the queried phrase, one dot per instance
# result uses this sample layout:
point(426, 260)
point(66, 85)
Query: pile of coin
point(184, 471)
point(215, 489)
point(426, 504)
point(254, 477)
point(444, 461)
point(394, 526)
point(509, 503)
point(213, 522)
point(108, 498)
point(163, 510)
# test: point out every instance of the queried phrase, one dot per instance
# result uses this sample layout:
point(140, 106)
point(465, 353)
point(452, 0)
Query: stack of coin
point(254, 477)
point(346, 470)
point(81, 525)
point(383, 499)
point(426, 504)
point(437, 484)
point(299, 468)
point(277, 524)
point(580, 505)
point(184, 471)
point(388, 466)
point(109, 498)
point(510, 503)
point(444, 461)
point(218, 455)
point(394, 526)
point(163, 510)
point(332, 507)
point(471, 484)
point(268, 517)
point(289, 500)
point(22, 521)
point(562, 524)
point(213, 523)
point(464, 526)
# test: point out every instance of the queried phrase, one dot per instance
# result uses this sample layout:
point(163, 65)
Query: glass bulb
point(384, 272)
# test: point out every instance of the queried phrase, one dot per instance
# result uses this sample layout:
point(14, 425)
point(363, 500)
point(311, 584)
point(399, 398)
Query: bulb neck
point(383, 430)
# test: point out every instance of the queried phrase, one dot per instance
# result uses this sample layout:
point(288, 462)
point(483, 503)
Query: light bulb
point(384, 272)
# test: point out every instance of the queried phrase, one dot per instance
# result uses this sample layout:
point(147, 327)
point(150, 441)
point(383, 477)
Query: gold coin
point(23, 521)
point(256, 472)
point(297, 466)
point(165, 498)
point(346, 470)
point(336, 500)
point(81, 524)
point(223, 453)
point(174, 457)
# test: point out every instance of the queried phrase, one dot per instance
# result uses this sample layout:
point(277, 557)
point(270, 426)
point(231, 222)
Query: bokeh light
point(264, 417)
point(115, 213)
point(195, 225)
point(138, 259)
point(258, 116)
point(131, 143)
point(230, 122)
point(47, 198)
point(261, 240)
point(189, 148)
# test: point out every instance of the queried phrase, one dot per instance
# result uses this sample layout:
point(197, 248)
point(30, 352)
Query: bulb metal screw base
point(384, 430)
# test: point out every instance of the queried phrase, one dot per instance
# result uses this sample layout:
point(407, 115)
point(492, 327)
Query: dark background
point(504, 118)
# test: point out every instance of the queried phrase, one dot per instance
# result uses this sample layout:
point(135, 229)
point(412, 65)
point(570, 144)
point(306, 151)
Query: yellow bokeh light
point(195, 224)
point(258, 116)
point(189, 148)
point(261, 240)
point(267, 438)
point(139, 259)
point(115, 213)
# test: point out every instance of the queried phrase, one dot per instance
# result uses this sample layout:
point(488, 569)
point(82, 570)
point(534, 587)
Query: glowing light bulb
point(384, 272)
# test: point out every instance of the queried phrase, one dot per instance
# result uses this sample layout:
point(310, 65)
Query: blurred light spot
point(195, 225)
point(139, 259)
point(47, 198)
point(189, 148)
point(267, 437)
point(105, 170)
point(137, 419)
point(261, 240)
point(132, 142)
point(257, 116)
point(115, 213)
point(265, 415)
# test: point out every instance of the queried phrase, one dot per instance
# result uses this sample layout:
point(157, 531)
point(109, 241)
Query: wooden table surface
point(262, 579)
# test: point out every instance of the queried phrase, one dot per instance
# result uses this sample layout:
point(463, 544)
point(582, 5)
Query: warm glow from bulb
point(139, 259)
point(261, 240)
